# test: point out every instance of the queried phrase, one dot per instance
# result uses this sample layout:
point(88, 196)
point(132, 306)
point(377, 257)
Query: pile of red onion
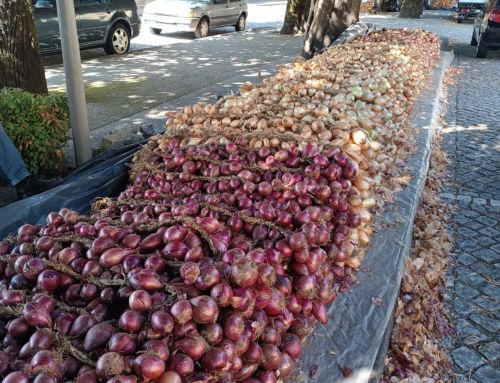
point(213, 266)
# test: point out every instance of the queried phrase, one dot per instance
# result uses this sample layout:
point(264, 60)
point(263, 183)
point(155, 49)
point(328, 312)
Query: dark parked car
point(110, 24)
point(486, 31)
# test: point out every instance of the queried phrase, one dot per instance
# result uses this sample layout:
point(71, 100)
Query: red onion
point(271, 356)
point(122, 343)
point(266, 275)
point(246, 371)
point(276, 304)
point(16, 377)
point(181, 364)
point(182, 311)
point(233, 326)
point(267, 376)
point(292, 346)
point(109, 365)
point(45, 361)
point(49, 280)
point(158, 348)
point(286, 366)
point(163, 322)
point(213, 333)
point(148, 366)
point(193, 345)
point(140, 300)
point(97, 336)
point(244, 272)
point(253, 354)
point(222, 294)
point(189, 272)
point(169, 377)
point(209, 277)
point(205, 309)
point(81, 325)
point(131, 321)
point(214, 359)
point(113, 256)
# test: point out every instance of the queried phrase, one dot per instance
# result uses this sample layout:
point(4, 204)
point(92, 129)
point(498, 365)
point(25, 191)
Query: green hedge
point(38, 126)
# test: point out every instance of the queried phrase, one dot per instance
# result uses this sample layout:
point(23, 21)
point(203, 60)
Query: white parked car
point(197, 16)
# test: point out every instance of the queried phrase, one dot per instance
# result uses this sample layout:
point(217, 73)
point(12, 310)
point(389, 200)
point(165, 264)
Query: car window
point(90, 2)
point(234, 1)
point(220, 1)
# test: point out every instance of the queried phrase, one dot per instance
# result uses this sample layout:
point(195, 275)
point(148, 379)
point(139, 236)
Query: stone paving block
point(466, 358)
point(489, 231)
point(488, 304)
point(487, 374)
point(496, 248)
point(491, 290)
point(488, 221)
point(484, 268)
point(469, 334)
point(487, 255)
point(466, 259)
point(487, 322)
point(468, 245)
point(490, 351)
point(465, 291)
point(462, 307)
point(473, 279)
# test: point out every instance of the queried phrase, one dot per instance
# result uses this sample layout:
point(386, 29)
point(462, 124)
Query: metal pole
point(74, 80)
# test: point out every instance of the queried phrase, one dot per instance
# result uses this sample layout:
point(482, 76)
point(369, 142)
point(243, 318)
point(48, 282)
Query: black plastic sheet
point(104, 175)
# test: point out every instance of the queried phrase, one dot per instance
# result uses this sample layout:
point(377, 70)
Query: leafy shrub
point(38, 126)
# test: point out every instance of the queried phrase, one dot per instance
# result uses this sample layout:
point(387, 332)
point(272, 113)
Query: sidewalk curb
point(358, 334)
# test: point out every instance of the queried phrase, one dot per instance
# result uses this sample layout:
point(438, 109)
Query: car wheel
point(118, 40)
point(241, 23)
point(481, 49)
point(202, 28)
point(155, 31)
point(473, 40)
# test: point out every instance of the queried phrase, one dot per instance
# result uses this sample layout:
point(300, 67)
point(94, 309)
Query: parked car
point(467, 10)
point(486, 30)
point(196, 16)
point(110, 24)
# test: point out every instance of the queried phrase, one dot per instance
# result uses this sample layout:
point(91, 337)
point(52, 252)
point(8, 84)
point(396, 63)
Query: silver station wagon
point(197, 16)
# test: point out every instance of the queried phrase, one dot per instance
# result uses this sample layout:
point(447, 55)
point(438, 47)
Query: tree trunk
point(296, 17)
point(411, 9)
point(327, 20)
point(20, 62)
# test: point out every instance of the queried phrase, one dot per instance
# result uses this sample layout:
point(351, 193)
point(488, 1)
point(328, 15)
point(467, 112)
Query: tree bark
point(296, 17)
point(20, 61)
point(411, 9)
point(327, 20)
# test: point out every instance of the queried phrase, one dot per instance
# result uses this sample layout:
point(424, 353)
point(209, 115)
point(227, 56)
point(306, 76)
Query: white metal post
point(74, 80)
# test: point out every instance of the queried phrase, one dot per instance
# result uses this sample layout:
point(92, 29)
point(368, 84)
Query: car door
point(47, 25)
point(219, 13)
point(93, 20)
point(235, 9)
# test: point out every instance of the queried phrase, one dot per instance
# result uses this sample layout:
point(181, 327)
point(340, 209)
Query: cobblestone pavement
point(472, 141)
